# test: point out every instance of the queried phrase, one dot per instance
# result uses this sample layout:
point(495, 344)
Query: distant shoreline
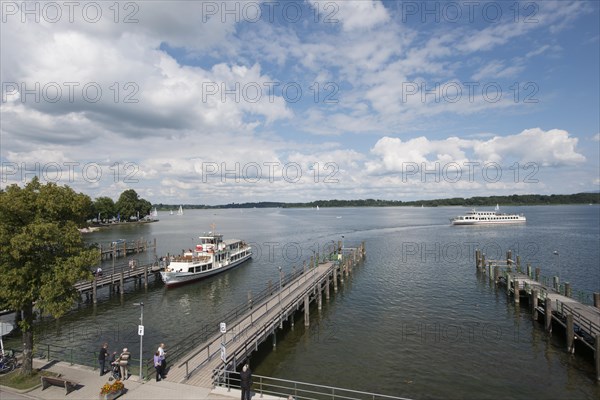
point(490, 201)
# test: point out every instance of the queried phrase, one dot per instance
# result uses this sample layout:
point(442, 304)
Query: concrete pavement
point(90, 382)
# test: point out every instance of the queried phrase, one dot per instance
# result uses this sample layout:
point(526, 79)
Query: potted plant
point(112, 391)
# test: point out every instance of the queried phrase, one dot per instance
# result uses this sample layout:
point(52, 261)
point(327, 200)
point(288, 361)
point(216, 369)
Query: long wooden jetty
point(555, 304)
point(123, 248)
point(117, 280)
point(259, 319)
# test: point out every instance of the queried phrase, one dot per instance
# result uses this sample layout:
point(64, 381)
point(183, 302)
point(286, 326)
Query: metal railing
point(283, 388)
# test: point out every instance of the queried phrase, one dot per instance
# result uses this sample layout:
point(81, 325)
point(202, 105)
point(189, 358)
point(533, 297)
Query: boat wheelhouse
point(212, 255)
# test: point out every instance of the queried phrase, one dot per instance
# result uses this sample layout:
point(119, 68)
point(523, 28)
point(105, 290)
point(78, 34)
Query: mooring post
point(482, 259)
point(568, 289)
point(306, 311)
point(534, 304)
point(490, 272)
point(518, 263)
point(537, 274)
point(477, 260)
point(517, 290)
point(496, 274)
point(319, 297)
point(548, 314)
point(570, 334)
point(121, 285)
point(508, 283)
point(335, 273)
point(529, 270)
point(327, 288)
point(145, 277)
point(597, 300)
point(556, 284)
point(509, 260)
point(597, 351)
point(95, 290)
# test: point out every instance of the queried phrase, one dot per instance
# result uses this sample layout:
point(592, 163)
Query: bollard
point(597, 300)
point(537, 274)
point(534, 304)
point(556, 284)
point(529, 270)
point(121, 285)
point(548, 314)
point(517, 290)
point(306, 311)
point(567, 289)
point(570, 334)
point(597, 351)
point(496, 274)
point(518, 263)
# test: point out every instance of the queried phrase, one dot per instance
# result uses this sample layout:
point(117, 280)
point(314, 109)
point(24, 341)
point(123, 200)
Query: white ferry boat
point(211, 256)
point(487, 217)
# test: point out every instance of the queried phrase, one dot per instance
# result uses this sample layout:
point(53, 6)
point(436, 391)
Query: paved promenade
point(90, 382)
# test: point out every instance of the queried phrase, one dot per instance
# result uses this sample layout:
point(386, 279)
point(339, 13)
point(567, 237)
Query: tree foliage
point(43, 254)
point(104, 207)
point(129, 204)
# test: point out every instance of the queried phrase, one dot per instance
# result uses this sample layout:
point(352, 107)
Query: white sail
point(497, 207)
point(180, 211)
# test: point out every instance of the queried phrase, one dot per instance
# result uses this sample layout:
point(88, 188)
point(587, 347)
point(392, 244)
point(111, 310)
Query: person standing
point(123, 363)
point(163, 360)
point(246, 382)
point(102, 357)
point(157, 366)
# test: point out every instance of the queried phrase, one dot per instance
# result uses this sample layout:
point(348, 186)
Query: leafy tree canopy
point(43, 254)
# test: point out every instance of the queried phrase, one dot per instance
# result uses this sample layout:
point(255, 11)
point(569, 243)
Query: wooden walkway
point(580, 321)
point(124, 248)
point(245, 333)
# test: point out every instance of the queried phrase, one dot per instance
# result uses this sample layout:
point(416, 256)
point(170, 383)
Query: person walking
point(123, 363)
point(157, 366)
point(246, 382)
point(102, 357)
point(163, 364)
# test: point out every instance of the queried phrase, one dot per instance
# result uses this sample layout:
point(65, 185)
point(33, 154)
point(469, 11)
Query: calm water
point(414, 319)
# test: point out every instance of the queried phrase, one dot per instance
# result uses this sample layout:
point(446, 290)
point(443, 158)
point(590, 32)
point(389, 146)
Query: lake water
point(413, 320)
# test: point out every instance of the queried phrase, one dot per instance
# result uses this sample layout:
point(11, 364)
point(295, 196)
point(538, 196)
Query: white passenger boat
point(474, 217)
point(211, 256)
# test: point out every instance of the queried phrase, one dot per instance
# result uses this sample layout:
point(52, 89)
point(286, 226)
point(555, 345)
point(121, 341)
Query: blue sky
point(217, 102)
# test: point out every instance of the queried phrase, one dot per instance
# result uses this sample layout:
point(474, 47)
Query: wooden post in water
point(490, 272)
point(556, 284)
point(311, 262)
point(597, 355)
point(145, 277)
point(496, 274)
point(95, 290)
point(529, 270)
point(516, 290)
point(548, 314)
point(597, 300)
point(477, 260)
point(335, 273)
point(306, 311)
point(121, 285)
point(570, 334)
point(482, 259)
point(319, 297)
point(327, 288)
point(509, 260)
point(534, 304)
point(508, 283)
point(537, 274)
point(518, 263)
point(567, 289)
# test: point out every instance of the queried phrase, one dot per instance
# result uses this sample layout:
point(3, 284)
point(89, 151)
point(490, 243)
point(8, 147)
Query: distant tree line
point(511, 200)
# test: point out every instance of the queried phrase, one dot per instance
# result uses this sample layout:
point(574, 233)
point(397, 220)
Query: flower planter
point(112, 395)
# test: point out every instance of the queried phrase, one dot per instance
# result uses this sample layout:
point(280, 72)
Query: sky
point(217, 102)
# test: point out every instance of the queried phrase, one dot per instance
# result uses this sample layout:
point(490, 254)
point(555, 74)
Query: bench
point(58, 381)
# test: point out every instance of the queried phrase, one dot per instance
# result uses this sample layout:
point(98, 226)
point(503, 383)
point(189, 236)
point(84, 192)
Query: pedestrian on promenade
point(102, 357)
point(162, 354)
point(246, 382)
point(157, 366)
point(123, 363)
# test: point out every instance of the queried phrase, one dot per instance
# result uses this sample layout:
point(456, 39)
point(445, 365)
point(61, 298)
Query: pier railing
point(212, 327)
point(282, 388)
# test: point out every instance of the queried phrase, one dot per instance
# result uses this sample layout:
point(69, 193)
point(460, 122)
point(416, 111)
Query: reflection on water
point(413, 320)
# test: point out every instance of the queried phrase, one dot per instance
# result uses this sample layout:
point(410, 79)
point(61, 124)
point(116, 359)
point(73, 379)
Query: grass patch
point(17, 381)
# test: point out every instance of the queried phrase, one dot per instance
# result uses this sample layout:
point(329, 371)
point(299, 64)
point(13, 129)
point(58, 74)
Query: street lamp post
point(141, 334)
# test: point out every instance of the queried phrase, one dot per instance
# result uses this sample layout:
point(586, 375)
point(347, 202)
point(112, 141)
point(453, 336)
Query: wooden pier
point(259, 319)
point(117, 280)
point(555, 304)
point(124, 248)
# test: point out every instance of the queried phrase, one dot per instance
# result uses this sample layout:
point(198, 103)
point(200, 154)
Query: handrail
point(233, 315)
point(594, 329)
point(300, 390)
point(266, 327)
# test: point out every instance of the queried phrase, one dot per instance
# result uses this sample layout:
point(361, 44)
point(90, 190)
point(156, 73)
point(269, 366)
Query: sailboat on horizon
point(180, 211)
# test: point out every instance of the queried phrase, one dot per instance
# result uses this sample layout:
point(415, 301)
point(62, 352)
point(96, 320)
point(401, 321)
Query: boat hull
point(172, 279)
point(463, 222)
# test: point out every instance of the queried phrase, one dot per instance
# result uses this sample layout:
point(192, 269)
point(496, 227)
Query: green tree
point(105, 207)
point(43, 254)
point(130, 203)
